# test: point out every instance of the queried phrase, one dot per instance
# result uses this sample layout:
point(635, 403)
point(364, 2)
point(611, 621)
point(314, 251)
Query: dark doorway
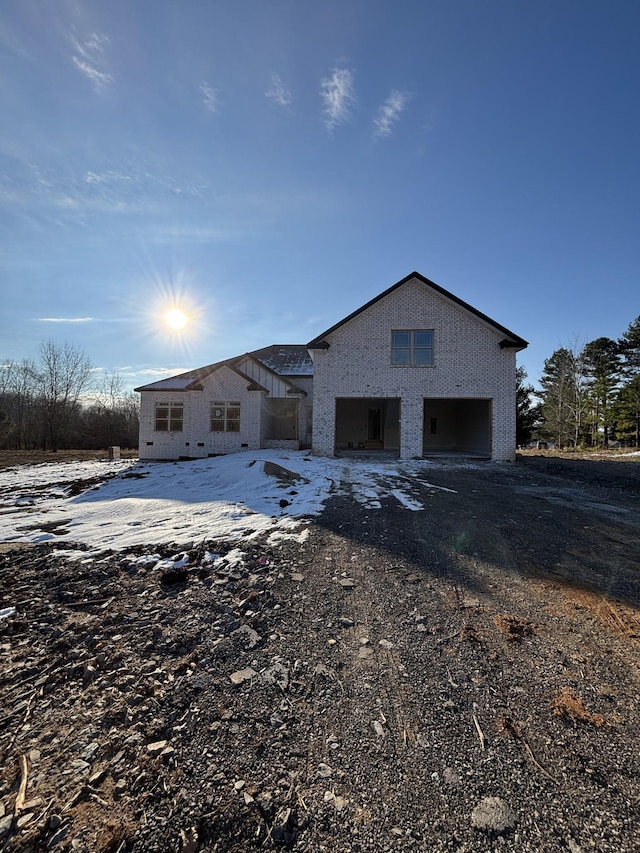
point(373, 425)
point(365, 423)
point(452, 426)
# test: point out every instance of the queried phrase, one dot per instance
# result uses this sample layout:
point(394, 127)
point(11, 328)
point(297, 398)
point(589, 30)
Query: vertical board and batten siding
point(468, 363)
point(270, 381)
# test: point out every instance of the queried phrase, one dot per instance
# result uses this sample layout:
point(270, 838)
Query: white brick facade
point(196, 439)
point(463, 401)
point(468, 363)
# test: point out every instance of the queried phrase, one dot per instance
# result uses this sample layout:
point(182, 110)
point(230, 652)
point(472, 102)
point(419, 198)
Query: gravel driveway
point(460, 678)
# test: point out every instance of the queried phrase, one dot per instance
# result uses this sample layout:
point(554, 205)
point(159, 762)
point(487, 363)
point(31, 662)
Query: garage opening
point(457, 427)
point(367, 423)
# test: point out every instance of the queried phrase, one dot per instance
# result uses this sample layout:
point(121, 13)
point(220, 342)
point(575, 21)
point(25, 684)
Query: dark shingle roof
point(285, 359)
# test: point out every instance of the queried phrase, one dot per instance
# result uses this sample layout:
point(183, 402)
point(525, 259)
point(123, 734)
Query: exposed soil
point(462, 678)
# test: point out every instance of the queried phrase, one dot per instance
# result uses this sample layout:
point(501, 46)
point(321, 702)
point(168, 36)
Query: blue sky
point(271, 166)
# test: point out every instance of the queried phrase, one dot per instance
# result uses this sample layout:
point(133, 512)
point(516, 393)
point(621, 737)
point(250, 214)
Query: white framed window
point(169, 417)
point(225, 416)
point(412, 348)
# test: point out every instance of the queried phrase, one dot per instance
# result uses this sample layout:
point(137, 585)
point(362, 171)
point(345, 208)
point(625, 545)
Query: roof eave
point(321, 343)
point(517, 345)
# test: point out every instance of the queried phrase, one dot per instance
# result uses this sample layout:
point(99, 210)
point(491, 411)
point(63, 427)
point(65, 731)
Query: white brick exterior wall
point(196, 438)
point(468, 363)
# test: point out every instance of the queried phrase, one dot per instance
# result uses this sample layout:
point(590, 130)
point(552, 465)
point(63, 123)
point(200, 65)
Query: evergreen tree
point(627, 409)
point(629, 345)
point(626, 412)
point(527, 413)
point(602, 362)
point(563, 398)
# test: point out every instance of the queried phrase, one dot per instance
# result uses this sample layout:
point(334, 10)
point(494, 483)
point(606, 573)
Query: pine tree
point(527, 413)
point(603, 365)
point(563, 398)
point(627, 409)
point(629, 345)
point(626, 412)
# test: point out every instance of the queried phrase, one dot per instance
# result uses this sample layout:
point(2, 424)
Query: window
point(225, 417)
point(412, 348)
point(169, 417)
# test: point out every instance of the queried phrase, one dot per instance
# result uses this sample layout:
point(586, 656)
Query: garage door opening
point(457, 427)
point(367, 424)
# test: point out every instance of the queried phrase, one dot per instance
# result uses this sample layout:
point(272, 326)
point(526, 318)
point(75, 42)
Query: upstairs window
point(412, 348)
point(169, 417)
point(225, 416)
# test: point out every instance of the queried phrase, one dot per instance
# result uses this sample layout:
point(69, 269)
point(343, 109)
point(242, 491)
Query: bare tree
point(18, 392)
point(64, 373)
point(112, 417)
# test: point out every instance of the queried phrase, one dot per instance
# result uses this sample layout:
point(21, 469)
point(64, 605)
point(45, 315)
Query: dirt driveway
point(460, 678)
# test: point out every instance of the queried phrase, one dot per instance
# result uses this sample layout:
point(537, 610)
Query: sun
point(176, 319)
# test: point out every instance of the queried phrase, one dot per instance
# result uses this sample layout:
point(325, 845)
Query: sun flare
point(176, 319)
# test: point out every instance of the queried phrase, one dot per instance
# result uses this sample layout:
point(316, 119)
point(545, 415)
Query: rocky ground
point(462, 678)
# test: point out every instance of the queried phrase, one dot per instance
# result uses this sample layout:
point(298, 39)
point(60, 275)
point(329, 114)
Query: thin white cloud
point(89, 58)
point(209, 98)
point(389, 113)
point(66, 319)
point(338, 96)
point(278, 92)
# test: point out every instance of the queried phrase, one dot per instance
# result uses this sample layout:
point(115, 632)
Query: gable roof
point(511, 340)
point(190, 381)
point(282, 359)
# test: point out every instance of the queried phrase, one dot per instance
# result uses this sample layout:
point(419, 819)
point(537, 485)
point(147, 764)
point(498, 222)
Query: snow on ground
point(228, 498)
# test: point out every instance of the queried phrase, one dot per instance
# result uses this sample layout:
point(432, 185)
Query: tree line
point(589, 396)
point(52, 403)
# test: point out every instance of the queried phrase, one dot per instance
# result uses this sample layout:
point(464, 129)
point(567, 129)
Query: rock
point(324, 771)
point(364, 652)
point(284, 829)
point(88, 675)
point(54, 821)
point(338, 802)
point(385, 644)
point(345, 622)
point(493, 813)
point(58, 836)
point(167, 754)
point(246, 637)
point(346, 583)
point(119, 789)
point(156, 748)
point(297, 576)
point(377, 725)
point(285, 476)
point(451, 777)
point(277, 674)
point(189, 841)
point(239, 785)
point(241, 675)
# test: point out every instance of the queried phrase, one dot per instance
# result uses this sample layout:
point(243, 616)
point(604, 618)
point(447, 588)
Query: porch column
point(411, 417)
